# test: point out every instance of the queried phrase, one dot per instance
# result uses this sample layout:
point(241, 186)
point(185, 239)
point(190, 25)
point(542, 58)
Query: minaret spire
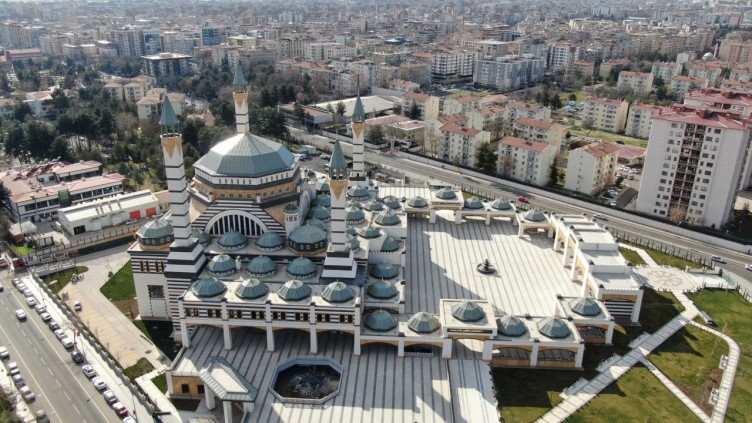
point(241, 101)
point(339, 261)
point(358, 176)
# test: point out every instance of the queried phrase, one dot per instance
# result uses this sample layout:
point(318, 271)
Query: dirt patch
point(700, 393)
point(127, 307)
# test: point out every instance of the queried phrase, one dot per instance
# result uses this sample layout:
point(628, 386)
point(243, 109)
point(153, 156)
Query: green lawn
point(664, 259)
point(581, 96)
point(632, 256)
point(63, 278)
point(658, 308)
point(638, 396)
point(608, 136)
point(141, 368)
point(21, 250)
point(159, 332)
point(120, 286)
point(161, 382)
point(733, 316)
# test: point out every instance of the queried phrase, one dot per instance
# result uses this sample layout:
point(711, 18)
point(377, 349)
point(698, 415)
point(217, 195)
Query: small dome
point(261, 266)
point(322, 186)
point(353, 203)
point(392, 202)
point(307, 234)
point(317, 223)
point(390, 245)
point(585, 306)
point(291, 208)
point(202, 236)
point(381, 321)
point(473, 203)
point(468, 311)
point(417, 202)
point(302, 268)
point(554, 328)
point(208, 287)
point(351, 231)
point(358, 193)
point(387, 218)
point(374, 206)
point(337, 292)
point(270, 241)
point(500, 204)
point(221, 265)
point(370, 232)
point(509, 325)
point(446, 194)
point(294, 290)
point(155, 229)
point(535, 216)
point(323, 200)
point(354, 215)
point(319, 213)
point(352, 242)
point(422, 322)
point(384, 271)
point(250, 289)
point(233, 240)
point(382, 290)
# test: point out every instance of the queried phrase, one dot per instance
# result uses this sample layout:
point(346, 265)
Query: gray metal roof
point(354, 215)
point(202, 236)
point(317, 223)
point(417, 202)
point(554, 328)
point(337, 292)
point(233, 239)
point(358, 192)
point(323, 200)
point(319, 213)
point(261, 265)
point(374, 206)
point(387, 218)
point(381, 321)
point(509, 325)
point(352, 242)
point(246, 155)
point(337, 162)
point(384, 271)
point(473, 203)
point(208, 287)
point(585, 306)
point(307, 234)
point(155, 229)
point(535, 216)
point(468, 311)
point(301, 267)
point(250, 289)
point(382, 290)
point(446, 194)
point(390, 245)
point(270, 240)
point(294, 290)
point(370, 232)
point(221, 264)
point(239, 79)
point(392, 202)
point(422, 322)
point(359, 112)
point(501, 204)
point(219, 366)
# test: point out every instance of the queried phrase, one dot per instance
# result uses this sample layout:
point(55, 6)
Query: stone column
point(446, 349)
point(487, 350)
point(579, 356)
point(269, 338)
point(534, 357)
point(400, 348)
point(314, 341)
point(356, 342)
point(226, 335)
point(209, 395)
point(432, 216)
point(227, 410)
point(610, 333)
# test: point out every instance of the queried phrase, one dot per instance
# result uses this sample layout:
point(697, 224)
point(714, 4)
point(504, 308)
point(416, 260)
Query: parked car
point(13, 368)
point(612, 204)
point(27, 394)
point(60, 334)
point(88, 371)
point(77, 357)
point(16, 281)
point(718, 259)
point(120, 409)
point(21, 287)
point(748, 266)
point(27, 293)
point(67, 343)
point(129, 419)
point(99, 383)
point(53, 325)
point(18, 380)
point(131, 221)
point(31, 301)
point(45, 317)
point(4, 354)
point(600, 216)
point(110, 397)
point(21, 315)
point(522, 199)
point(42, 417)
point(77, 305)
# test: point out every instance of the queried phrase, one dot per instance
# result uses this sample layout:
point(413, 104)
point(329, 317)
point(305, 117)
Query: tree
point(556, 102)
point(222, 111)
point(4, 193)
point(485, 158)
point(341, 108)
point(568, 135)
point(553, 176)
point(14, 143)
point(677, 213)
point(414, 111)
point(376, 135)
point(506, 164)
point(587, 123)
point(298, 112)
point(60, 101)
point(572, 97)
point(21, 110)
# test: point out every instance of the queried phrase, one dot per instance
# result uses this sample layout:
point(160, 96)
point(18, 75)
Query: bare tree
point(677, 212)
point(506, 163)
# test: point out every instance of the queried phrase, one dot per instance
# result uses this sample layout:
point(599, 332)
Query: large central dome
point(246, 156)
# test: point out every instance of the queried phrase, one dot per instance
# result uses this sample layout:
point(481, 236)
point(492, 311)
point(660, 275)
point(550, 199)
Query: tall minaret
point(241, 101)
point(186, 257)
point(339, 262)
point(358, 175)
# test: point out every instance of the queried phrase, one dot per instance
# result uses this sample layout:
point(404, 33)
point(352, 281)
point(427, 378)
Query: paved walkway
point(155, 394)
point(675, 390)
point(590, 390)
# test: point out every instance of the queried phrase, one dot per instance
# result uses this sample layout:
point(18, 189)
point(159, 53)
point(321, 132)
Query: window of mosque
point(214, 312)
point(160, 267)
point(301, 317)
point(191, 312)
point(250, 195)
point(236, 314)
point(232, 195)
point(144, 266)
point(279, 315)
point(257, 315)
point(222, 195)
point(287, 188)
point(346, 318)
point(155, 291)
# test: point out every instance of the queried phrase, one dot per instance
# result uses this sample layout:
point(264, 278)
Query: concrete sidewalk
point(22, 410)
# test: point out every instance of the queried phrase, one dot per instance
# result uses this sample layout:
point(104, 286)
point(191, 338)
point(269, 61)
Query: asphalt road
point(62, 390)
point(735, 261)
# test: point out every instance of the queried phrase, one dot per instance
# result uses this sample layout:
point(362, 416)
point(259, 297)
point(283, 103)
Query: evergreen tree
point(414, 111)
point(485, 158)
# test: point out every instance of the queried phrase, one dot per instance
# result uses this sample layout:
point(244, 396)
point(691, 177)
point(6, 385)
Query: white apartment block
point(150, 106)
point(561, 56)
point(485, 118)
point(606, 114)
point(681, 85)
point(709, 70)
point(697, 160)
point(592, 168)
point(638, 82)
point(131, 90)
point(464, 104)
point(741, 74)
point(509, 72)
point(539, 130)
point(735, 101)
point(666, 70)
point(460, 143)
point(728, 84)
point(433, 138)
point(403, 86)
point(525, 160)
point(517, 109)
point(453, 65)
point(427, 104)
point(639, 120)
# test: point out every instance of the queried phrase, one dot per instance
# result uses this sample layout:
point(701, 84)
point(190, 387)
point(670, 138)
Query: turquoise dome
point(354, 215)
point(381, 321)
point(319, 213)
point(446, 194)
point(535, 216)
point(390, 245)
point(250, 289)
point(382, 290)
point(155, 229)
point(294, 290)
point(317, 223)
point(553, 328)
point(387, 218)
point(585, 307)
point(323, 200)
point(351, 231)
point(291, 208)
point(384, 271)
point(473, 203)
point(208, 287)
point(202, 236)
point(302, 268)
point(221, 265)
point(392, 202)
point(417, 202)
point(337, 292)
point(374, 206)
point(270, 241)
point(307, 237)
point(422, 322)
point(261, 266)
point(468, 311)
point(233, 240)
point(352, 242)
point(509, 325)
point(322, 187)
point(370, 232)
point(353, 203)
point(246, 156)
point(358, 193)
point(500, 204)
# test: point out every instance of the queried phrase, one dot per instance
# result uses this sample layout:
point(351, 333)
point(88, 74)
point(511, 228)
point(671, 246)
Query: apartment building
point(516, 109)
point(709, 70)
point(592, 168)
point(735, 101)
point(460, 104)
point(606, 67)
point(449, 66)
point(561, 56)
point(539, 130)
point(526, 160)
point(401, 86)
point(606, 114)
point(130, 90)
point(433, 138)
point(211, 36)
point(696, 162)
point(489, 48)
point(638, 82)
point(728, 84)
point(509, 72)
point(420, 73)
point(741, 74)
point(459, 144)
point(166, 67)
point(639, 119)
point(490, 118)
point(585, 69)
point(150, 106)
point(681, 85)
point(427, 104)
point(665, 70)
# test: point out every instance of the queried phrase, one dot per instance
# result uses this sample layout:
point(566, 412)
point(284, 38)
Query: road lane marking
point(59, 385)
point(76, 408)
point(66, 395)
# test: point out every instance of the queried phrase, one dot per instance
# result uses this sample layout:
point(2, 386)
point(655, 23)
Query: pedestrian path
point(159, 398)
point(642, 349)
point(643, 254)
point(675, 390)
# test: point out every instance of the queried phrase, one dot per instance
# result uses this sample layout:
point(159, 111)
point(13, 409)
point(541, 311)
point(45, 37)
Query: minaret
point(358, 176)
point(186, 257)
point(339, 262)
point(241, 101)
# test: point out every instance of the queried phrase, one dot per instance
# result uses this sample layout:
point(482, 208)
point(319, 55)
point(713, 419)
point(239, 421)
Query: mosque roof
point(337, 292)
point(208, 287)
point(307, 234)
point(417, 202)
point(248, 156)
point(554, 328)
point(319, 213)
point(261, 265)
point(535, 216)
point(381, 321)
point(168, 118)
point(500, 204)
point(270, 240)
point(251, 289)
point(239, 79)
point(473, 203)
point(374, 206)
point(509, 325)
point(233, 239)
point(422, 322)
point(221, 264)
point(390, 245)
point(382, 290)
point(468, 311)
point(294, 290)
point(387, 218)
point(317, 223)
point(323, 200)
point(370, 232)
point(446, 194)
point(156, 229)
point(202, 236)
point(585, 306)
point(301, 267)
point(392, 202)
point(384, 271)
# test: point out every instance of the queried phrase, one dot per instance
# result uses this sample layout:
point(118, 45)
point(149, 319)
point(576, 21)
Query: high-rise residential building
point(639, 120)
point(164, 67)
point(561, 56)
point(592, 168)
point(128, 42)
point(450, 65)
point(697, 160)
point(428, 105)
point(735, 101)
point(210, 36)
point(681, 85)
point(539, 130)
point(509, 72)
point(152, 41)
point(459, 144)
point(666, 70)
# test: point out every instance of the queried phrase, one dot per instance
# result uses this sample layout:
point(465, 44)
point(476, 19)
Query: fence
point(670, 249)
point(40, 255)
point(82, 330)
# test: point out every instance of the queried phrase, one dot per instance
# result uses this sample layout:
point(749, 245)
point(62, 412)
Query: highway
point(62, 390)
point(451, 175)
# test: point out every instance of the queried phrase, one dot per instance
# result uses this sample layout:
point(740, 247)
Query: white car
point(21, 315)
point(748, 266)
point(77, 305)
point(20, 285)
point(45, 317)
point(40, 308)
point(27, 394)
point(110, 397)
point(600, 216)
point(13, 368)
point(31, 301)
point(60, 334)
point(718, 259)
point(129, 419)
point(27, 293)
point(67, 343)
point(4, 354)
point(99, 383)
point(89, 371)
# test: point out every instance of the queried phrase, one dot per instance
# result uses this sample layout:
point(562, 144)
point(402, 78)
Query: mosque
point(408, 293)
